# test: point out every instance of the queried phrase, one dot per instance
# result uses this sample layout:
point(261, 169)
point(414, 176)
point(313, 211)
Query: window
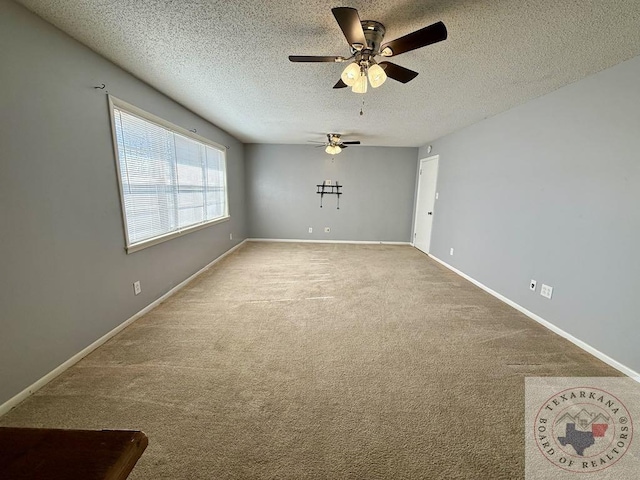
point(171, 181)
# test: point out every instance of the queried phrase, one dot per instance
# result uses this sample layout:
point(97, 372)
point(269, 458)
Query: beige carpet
point(313, 361)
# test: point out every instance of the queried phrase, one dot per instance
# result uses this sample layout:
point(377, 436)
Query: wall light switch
point(532, 285)
point(310, 229)
point(546, 291)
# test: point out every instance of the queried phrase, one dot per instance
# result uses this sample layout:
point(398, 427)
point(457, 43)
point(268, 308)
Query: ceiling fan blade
point(420, 38)
point(357, 142)
point(340, 84)
point(397, 72)
point(349, 22)
point(308, 58)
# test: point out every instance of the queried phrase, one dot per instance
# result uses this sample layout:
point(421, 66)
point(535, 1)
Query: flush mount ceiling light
point(365, 41)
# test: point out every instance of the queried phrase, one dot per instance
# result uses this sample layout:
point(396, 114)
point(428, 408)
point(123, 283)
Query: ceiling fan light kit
point(365, 42)
point(335, 145)
point(355, 76)
point(333, 149)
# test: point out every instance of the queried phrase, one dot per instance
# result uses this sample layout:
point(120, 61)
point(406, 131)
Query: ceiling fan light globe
point(350, 74)
point(361, 84)
point(376, 75)
point(332, 149)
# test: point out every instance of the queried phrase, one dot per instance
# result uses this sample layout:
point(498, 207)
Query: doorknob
point(429, 213)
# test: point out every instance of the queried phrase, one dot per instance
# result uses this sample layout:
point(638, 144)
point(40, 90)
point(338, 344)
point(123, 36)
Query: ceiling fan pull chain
point(361, 112)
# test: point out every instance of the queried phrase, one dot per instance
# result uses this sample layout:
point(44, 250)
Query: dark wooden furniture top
point(42, 453)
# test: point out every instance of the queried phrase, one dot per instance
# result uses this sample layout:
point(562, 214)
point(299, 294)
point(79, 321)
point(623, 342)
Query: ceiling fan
point(365, 40)
point(334, 144)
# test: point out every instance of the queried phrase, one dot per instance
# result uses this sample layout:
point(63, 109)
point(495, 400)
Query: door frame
point(435, 158)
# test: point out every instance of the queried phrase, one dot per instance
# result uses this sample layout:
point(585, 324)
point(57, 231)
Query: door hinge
point(420, 171)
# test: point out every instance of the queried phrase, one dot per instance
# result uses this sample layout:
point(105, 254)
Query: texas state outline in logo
point(583, 429)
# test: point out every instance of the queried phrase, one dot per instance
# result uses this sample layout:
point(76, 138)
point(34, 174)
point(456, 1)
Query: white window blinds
point(170, 182)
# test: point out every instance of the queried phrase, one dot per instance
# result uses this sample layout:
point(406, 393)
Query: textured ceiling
point(227, 60)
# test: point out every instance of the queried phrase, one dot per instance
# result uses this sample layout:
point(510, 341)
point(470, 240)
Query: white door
point(425, 203)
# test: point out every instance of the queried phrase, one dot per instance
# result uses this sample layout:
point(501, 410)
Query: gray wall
point(550, 190)
point(377, 204)
point(66, 279)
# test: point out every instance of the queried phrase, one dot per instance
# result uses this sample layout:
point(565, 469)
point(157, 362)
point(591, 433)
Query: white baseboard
point(354, 242)
point(16, 399)
point(576, 341)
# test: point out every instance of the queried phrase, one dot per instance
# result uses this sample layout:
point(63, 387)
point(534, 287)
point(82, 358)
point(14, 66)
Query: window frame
point(115, 102)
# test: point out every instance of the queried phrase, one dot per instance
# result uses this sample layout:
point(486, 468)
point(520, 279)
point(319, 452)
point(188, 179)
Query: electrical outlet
point(546, 291)
point(436, 195)
point(310, 229)
point(532, 285)
point(327, 229)
point(451, 251)
point(136, 287)
point(231, 236)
